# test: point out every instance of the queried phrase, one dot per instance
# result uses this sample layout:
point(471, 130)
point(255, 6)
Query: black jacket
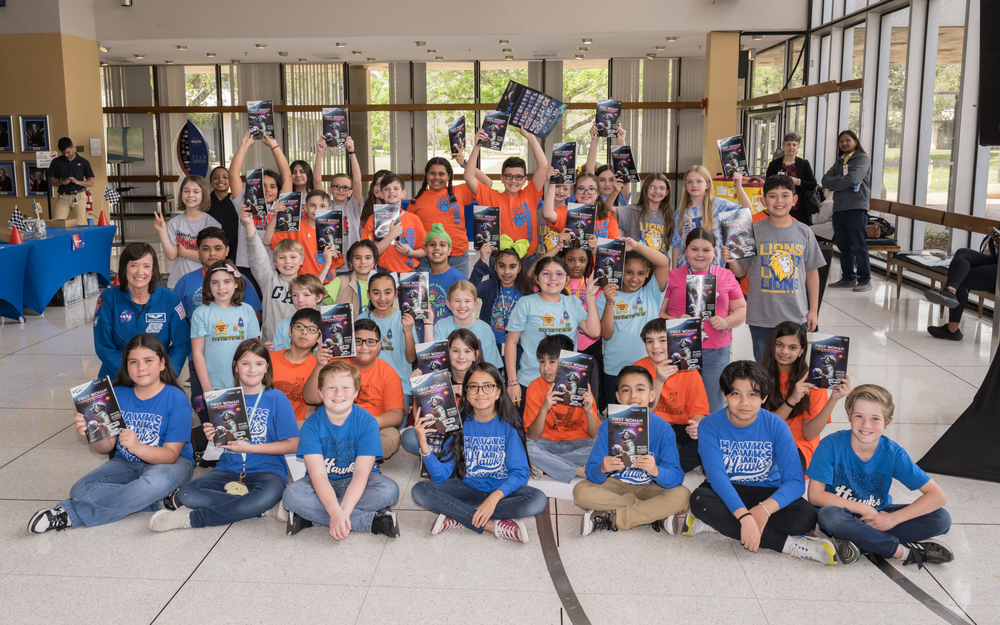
point(804, 173)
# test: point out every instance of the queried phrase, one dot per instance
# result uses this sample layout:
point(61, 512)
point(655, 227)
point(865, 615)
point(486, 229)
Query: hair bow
point(520, 246)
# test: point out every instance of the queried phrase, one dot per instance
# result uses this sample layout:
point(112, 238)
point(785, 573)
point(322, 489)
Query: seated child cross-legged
point(850, 476)
point(650, 491)
point(560, 436)
point(480, 478)
point(339, 443)
point(754, 488)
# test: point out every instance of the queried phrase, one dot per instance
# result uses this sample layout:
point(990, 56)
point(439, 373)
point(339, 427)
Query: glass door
point(765, 139)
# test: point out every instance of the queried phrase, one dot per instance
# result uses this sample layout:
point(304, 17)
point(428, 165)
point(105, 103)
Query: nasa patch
point(125, 317)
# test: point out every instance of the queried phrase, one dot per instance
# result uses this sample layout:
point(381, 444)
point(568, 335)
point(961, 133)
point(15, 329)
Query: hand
point(71, 179)
point(239, 447)
point(403, 248)
point(324, 355)
point(246, 216)
point(759, 516)
point(883, 521)
point(812, 321)
point(610, 293)
point(593, 286)
point(524, 133)
point(647, 463)
point(621, 134)
point(407, 320)
point(692, 429)
point(128, 439)
point(737, 179)
point(588, 400)
point(394, 231)
point(269, 345)
point(485, 510)
point(719, 323)
point(749, 534)
point(592, 243)
point(158, 222)
point(320, 145)
point(349, 144)
point(552, 398)
point(485, 252)
point(664, 369)
point(610, 464)
point(565, 237)
point(619, 184)
point(209, 431)
point(593, 130)
point(514, 392)
point(726, 253)
point(869, 513)
point(481, 135)
point(459, 158)
point(802, 389)
point(796, 181)
point(416, 373)
point(330, 255)
point(340, 524)
point(247, 140)
point(630, 244)
point(456, 389)
point(423, 425)
point(80, 422)
point(553, 172)
point(429, 315)
point(841, 390)
point(270, 142)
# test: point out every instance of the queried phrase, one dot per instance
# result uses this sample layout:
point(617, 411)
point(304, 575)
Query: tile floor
point(123, 573)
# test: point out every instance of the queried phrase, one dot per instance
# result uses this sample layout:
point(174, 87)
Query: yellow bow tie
point(520, 246)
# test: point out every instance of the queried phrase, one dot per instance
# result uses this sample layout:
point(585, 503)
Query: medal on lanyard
point(238, 488)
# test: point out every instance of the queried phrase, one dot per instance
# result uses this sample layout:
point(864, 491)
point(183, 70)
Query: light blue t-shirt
point(189, 287)
point(438, 287)
point(688, 220)
point(224, 329)
point(835, 464)
point(340, 445)
point(535, 319)
point(273, 421)
point(480, 328)
point(163, 418)
point(632, 312)
point(394, 346)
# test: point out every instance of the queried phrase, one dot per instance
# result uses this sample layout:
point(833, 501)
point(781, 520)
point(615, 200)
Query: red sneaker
point(443, 524)
point(510, 529)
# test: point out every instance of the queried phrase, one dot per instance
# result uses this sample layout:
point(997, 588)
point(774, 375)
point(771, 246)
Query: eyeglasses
point(340, 187)
point(514, 177)
point(298, 327)
point(659, 189)
point(368, 342)
point(558, 275)
point(586, 190)
point(475, 389)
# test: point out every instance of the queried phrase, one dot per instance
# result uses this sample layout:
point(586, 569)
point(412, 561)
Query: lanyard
point(579, 288)
point(250, 419)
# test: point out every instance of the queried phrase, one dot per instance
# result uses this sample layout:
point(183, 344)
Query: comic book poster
point(737, 232)
point(733, 153)
point(433, 356)
point(414, 294)
point(97, 403)
point(260, 116)
point(828, 359)
point(289, 218)
point(486, 227)
point(227, 412)
point(338, 329)
point(335, 127)
point(254, 198)
point(495, 127)
point(608, 112)
point(330, 231)
point(564, 159)
point(456, 135)
point(624, 163)
point(581, 220)
point(609, 261)
point(573, 377)
point(684, 343)
point(530, 109)
point(434, 396)
point(701, 297)
point(628, 432)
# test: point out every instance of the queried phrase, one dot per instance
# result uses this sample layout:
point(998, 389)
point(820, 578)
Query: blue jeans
point(212, 505)
point(456, 499)
point(300, 497)
point(119, 488)
point(560, 460)
point(713, 362)
point(842, 523)
point(849, 232)
point(610, 388)
point(759, 336)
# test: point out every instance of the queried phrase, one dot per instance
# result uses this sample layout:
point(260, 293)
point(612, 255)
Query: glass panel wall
point(583, 81)
point(450, 83)
point(899, 23)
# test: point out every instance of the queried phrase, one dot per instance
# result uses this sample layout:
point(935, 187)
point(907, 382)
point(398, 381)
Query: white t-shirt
point(184, 232)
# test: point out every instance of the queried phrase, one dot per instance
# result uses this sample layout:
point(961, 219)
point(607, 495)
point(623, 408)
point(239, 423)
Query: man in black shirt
point(73, 175)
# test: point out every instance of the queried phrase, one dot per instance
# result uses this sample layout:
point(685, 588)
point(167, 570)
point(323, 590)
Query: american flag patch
point(180, 311)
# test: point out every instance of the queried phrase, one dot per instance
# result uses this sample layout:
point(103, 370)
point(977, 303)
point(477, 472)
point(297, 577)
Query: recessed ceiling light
point(509, 57)
point(506, 50)
point(587, 42)
point(210, 54)
point(282, 54)
point(182, 47)
point(340, 45)
point(438, 58)
point(757, 37)
point(303, 60)
point(583, 48)
point(260, 46)
point(432, 51)
point(503, 41)
point(234, 61)
point(421, 44)
point(578, 56)
point(140, 56)
point(661, 47)
point(650, 56)
point(104, 64)
point(356, 52)
point(169, 62)
point(672, 39)
point(104, 48)
point(371, 58)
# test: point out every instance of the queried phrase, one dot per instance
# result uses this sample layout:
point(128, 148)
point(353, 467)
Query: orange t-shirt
point(606, 228)
point(381, 389)
point(517, 212)
point(290, 378)
point(413, 235)
point(437, 208)
point(817, 401)
point(683, 395)
point(307, 237)
point(562, 423)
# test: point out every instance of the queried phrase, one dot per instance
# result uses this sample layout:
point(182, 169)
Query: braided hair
point(437, 160)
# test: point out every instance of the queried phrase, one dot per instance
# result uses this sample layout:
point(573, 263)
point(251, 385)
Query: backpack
point(879, 228)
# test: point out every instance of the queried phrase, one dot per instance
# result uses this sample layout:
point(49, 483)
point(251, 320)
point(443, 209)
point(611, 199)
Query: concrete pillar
point(722, 118)
point(358, 83)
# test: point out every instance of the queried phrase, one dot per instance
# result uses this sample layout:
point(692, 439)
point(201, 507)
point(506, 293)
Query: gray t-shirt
point(352, 216)
point(648, 230)
point(777, 275)
point(183, 232)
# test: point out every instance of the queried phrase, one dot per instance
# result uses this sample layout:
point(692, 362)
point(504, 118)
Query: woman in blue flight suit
point(139, 307)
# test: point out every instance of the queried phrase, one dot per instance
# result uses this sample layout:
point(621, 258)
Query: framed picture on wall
point(35, 133)
point(6, 134)
point(8, 179)
point(36, 180)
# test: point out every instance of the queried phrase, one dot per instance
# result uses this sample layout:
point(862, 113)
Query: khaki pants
point(635, 505)
point(64, 208)
point(390, 441)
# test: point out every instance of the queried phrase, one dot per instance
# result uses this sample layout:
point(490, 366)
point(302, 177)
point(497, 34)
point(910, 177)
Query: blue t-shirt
point(495, 458)
point(688, 220)
point(491, 354)
point(163, 418)
point(762, 454)
point(394, 346)
point(663, 447)
point(188, 289)
point(273, 421)
point(439, 285)
point(835, 464)
point(340, 445)
point(535, 319)
point(632, 312)
point(224, 329)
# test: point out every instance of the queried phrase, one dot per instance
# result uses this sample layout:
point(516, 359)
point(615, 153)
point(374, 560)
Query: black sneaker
point(385, 523)
point(171, 502)
point(944, 297)
point(843, 284)
point(51, 519)
point(594, 522)
point(847, 551)
point(928, 552)
point(296, 524)
point(942, 332)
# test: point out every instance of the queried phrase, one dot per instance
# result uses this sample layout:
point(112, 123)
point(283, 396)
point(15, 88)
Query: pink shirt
point(578, 288)
point(727, 289)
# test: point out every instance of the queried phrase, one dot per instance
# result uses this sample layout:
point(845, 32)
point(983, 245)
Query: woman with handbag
point(850, 180)
point(801, 174)
point(969, 270)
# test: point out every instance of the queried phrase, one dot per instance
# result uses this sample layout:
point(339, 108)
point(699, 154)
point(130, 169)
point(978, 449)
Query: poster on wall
point(6, 134)
point(34, 133)
point(192, 151)
point(8, 179)
point(36, 180)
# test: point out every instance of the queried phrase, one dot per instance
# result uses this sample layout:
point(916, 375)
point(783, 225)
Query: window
point(493, 79)
point(854, 58)
point(450, 83)
point(899, 23)
point(769, 71)
point(316, 84)
point(797, 60)
point(583, 81)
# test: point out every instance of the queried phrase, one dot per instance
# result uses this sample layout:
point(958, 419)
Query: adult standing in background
point(850, 180)
point(801, 173)
point(73, 175)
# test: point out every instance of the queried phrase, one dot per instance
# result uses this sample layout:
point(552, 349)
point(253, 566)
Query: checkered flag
point(112, 196)
point(17, 220)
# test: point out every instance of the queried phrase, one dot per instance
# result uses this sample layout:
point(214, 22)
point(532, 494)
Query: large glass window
point(797, 56)
point(769, 71)
point(583, 81)
point(450, 83)
point(899, 22)
point(312, 84)
point(493, 79)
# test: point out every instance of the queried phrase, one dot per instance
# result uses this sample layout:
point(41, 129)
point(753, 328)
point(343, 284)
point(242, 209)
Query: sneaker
point(295, 524)
point(847, 552)
point(278, 512)
point(817, 549)
point(944, 297)
point(385, 523)
point(594, 521)
point(50, 519)
point(862, 286)
point(443, 524)
point(942, 332)
point(843, 284)
point(166, 520)
point(928, 552)
point(510, 529)
point(536, 473)
point(171, 502)
point(695, 526)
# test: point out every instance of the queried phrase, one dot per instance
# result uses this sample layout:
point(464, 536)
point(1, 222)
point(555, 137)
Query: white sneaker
point(166, 520)
point(817, 549)
point(696, 526)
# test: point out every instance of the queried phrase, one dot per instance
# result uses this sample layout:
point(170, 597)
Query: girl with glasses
point(586, 190)
point(651, 220)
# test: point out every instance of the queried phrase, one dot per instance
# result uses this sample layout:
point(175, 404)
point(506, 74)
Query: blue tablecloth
point(12, 262)
point(52, 261)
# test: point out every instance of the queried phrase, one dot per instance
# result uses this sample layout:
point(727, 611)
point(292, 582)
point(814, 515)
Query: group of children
point(753, 427)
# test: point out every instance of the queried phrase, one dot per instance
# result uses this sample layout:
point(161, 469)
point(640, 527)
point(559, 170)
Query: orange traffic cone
point(115, 283)
point(15, 236)
point(103, 219)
